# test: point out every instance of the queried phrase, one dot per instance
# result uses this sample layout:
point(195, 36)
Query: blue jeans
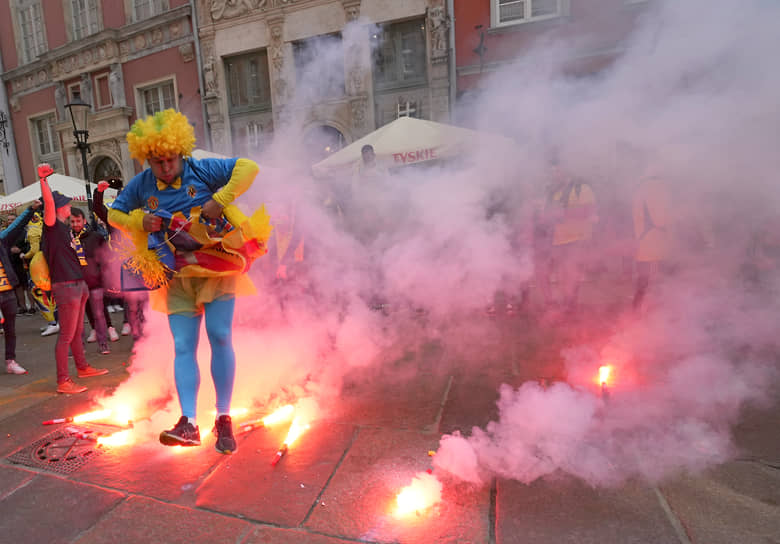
point(71, 298)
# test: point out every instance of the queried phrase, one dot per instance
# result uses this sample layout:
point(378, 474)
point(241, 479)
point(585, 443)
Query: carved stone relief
point(358, 110)
point(187, 52)
point(227, 9)
point(351, 9)
point(438, 26)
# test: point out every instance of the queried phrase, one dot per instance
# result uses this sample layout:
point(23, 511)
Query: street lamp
point(79, 113)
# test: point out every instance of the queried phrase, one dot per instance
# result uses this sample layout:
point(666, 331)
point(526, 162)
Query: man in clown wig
point(192, 248)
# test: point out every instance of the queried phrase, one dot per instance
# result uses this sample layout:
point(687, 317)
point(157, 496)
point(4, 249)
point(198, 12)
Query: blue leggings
point(186, 331)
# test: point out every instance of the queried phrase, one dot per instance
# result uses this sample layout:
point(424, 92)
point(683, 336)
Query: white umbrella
point(68, 186)
point(408, 141)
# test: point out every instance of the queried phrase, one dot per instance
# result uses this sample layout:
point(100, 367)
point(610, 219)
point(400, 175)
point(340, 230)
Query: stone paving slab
point(757, 432)
point(563, 510)
point(359, 501)
point(246, 484)
point(402, 405)
point(13, 478)
point(714, 510)
point(53, 510)
point(273, 535)
point(153, 470)
point(139, 519)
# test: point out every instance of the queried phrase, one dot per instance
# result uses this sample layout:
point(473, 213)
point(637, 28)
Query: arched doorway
point(321, 141)
point(106, 168)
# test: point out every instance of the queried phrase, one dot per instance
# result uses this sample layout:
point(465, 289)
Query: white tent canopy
point(68, 186)
point(410, 141)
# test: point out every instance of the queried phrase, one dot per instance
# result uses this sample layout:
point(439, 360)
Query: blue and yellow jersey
point(201, 180)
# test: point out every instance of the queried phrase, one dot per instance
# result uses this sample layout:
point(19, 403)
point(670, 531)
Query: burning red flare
point(92, 416)
point(122, 438)
point(605, 371)
point(297, 428)
point(422, 493)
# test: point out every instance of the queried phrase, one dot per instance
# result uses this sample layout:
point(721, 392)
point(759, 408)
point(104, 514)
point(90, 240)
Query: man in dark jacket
point(8, 282)
point(93, 245)
point(67, 283)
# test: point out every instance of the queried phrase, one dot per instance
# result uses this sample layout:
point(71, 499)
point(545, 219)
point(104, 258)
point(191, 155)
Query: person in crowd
point(651, 209)
point(17, 252)
point(187, 203)
point(42, 298)
point(8, 282)
point(130, 303)
point(92, 245)
point(66, 260)
point(572, 204)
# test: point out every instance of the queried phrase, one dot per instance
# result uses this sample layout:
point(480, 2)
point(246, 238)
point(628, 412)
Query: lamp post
point(79, 113)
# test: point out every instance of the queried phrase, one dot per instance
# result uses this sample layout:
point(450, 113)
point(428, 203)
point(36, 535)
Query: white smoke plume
point(693, 96)
point(695, 93)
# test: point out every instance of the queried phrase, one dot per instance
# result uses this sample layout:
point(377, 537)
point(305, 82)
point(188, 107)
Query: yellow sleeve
point(243, 175)
point(126, 222)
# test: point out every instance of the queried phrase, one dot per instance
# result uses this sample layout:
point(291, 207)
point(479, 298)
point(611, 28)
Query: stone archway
point(321, 141)
point(105, 167)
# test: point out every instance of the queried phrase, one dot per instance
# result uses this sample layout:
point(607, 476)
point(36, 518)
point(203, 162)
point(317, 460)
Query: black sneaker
point(183, 434)
point(226, 442)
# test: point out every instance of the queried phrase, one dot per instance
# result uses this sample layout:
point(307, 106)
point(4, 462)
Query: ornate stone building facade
point(127, 59)
point(330, 71)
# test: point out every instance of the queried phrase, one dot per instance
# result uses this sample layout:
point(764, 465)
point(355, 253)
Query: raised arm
point(49, 213)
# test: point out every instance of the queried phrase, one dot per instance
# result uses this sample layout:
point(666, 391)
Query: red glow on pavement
point(421, 494)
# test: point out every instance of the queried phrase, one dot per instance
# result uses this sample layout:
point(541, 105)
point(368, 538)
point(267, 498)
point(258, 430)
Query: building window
point(249, 87)
point(319, 67)
point(31, 28)
point(144, 9)
point(47, 143)
point(86, 19)
point(512, 12)
point(102, 92)
point(399, 55)
point(157, 97)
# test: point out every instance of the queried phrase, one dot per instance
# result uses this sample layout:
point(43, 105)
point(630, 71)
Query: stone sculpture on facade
point(210, 77)
point(439, 24)
point(116, 85)
point(60, 100)
point(86, 89)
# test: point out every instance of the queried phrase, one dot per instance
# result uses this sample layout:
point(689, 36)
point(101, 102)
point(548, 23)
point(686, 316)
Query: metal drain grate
point(65, 450)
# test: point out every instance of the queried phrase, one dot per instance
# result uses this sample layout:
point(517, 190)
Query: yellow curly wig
point(165, 133)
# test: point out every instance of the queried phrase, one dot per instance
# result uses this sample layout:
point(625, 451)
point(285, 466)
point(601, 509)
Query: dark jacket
point(9, 237)
point(94, 248)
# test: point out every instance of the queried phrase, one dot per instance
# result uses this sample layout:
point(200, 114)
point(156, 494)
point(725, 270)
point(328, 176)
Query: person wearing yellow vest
point(651, 209)
point(572, 204)
point(8, 282)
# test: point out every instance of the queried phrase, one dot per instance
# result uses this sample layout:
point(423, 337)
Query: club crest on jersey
point(191, 191)
point(152, 203)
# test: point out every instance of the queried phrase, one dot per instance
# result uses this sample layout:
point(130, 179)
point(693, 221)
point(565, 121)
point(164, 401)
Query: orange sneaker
point(91, 371)
point(70, 387)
